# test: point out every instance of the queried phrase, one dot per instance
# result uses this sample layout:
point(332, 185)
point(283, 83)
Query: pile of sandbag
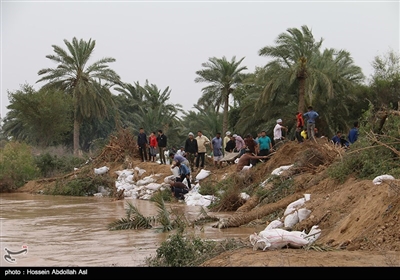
point(134, 185)
point(279, 238)
point(275, 237)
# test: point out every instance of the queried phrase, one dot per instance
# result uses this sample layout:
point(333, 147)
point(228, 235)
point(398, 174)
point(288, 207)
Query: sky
point(166, 42)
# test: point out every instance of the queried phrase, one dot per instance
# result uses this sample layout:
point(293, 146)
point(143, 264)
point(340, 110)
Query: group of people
point(148, 147)
point(249, 150)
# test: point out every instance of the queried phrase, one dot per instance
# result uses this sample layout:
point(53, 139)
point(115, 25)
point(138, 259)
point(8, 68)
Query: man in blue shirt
point(184, 172)
point(353, 133)
point(310, 116)
point(338, 139)
point(264, 144)
point(216, 145)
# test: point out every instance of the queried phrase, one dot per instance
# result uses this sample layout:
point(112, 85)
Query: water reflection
point(72, 231)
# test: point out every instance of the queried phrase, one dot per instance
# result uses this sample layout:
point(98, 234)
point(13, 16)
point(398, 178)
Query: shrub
point(53, 165)
point(16, 166)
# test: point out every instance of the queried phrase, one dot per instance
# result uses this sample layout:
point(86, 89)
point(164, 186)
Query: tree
point(223, 77)
point(292, 60)
point(82, 82)
point(40, 118)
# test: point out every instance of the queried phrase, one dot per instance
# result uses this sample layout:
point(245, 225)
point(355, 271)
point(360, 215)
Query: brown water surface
point(72, 231)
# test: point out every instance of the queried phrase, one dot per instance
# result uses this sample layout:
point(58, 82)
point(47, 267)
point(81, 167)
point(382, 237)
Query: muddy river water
point(72, 231)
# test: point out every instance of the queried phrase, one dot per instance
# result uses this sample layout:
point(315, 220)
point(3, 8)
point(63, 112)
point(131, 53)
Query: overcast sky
point(166, 42)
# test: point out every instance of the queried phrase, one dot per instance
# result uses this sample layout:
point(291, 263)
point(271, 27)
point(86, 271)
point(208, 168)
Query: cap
point(278, 120)
point(191, 134)
point(234, 135)
point(228, 133)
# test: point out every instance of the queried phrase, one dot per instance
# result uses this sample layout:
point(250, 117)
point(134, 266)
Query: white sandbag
point(169, 178)
point(313, 235)
point(296, 204)
point(247, 167)
point(175, 171)
point(245, 196)
point(296, 239)
point(379, 179)
point(291, 219)
point(202, 174)
point(125, 172)
point(129, 179)
point(279, 238)
point(153, 186)
point(145, 181)
point(279, 170)
point(303, 214)
point(101, 170)
point(274, 224)
point(259, 242)
point(140, 171)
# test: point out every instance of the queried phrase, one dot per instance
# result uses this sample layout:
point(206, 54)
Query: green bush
point(82, 186)
point(365, 161)
point(17, 166)
point(53, 165)
point(188, 251)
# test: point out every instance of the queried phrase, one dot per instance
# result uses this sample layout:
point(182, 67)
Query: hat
point(228, 133)
point(234, 135)
point(278, 120)
point(191, 134)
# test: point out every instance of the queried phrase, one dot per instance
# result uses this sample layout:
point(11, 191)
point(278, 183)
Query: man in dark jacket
point(142, 144)
point(162, 144)
point(191, 149)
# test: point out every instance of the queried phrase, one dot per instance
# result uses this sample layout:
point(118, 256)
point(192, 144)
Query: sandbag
point(279, 170)
point(175, 171)
point(303, 214)
point(274, 224)
point(379, 179)
point(101, 170)
point(291, 219)
point(202, 174)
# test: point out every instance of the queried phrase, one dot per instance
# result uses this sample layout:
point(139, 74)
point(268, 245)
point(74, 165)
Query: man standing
point(142, 144)
point(162, 144)
point(202, 142)
point(240, 145)
point(216, 146)
point(191, 149)
point(264, 144)
point(278, 131)
point(226, 139)
point(311, 115)
point(299, 126)
point(353, 133)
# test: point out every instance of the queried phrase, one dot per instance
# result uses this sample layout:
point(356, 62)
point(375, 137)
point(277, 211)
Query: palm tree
point(223, 77)
point(84, 83)
point(292, 60)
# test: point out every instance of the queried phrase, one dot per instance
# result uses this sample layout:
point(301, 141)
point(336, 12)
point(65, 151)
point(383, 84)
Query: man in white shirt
point(278, 131)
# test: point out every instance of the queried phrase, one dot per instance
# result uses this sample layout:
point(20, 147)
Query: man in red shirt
point(299, 126)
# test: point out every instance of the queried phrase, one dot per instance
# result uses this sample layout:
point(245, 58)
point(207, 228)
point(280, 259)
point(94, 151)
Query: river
point(72, 231)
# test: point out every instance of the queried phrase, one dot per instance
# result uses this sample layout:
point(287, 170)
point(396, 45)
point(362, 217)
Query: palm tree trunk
point(76, 137)
point(302, 102)
point(225, 116)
